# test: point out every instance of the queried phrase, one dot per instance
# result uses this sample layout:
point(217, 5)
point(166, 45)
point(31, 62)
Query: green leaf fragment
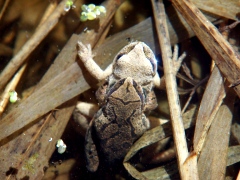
point(91, 6)
point(85, 8)
point(102, 9)
point(13, 96)
point(91, 12)
point(91, 16)
point(69, 3)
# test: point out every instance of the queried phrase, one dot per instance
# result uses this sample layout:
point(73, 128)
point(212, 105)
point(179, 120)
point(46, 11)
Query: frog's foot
point(86, 56)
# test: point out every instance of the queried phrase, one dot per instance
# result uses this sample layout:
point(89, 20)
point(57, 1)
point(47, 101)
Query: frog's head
point(135, 60)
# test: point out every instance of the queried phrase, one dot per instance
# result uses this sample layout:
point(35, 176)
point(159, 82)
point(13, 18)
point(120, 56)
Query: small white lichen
point(61, 146)
point(69, 5)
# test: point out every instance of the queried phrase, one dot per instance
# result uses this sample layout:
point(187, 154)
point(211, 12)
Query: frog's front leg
point(157, 81)
point(91, 150)
point(86, 56)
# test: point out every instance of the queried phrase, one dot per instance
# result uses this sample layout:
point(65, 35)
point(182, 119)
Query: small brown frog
point(124, 98)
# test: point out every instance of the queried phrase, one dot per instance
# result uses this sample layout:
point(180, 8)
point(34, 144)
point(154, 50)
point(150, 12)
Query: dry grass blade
point(233, 155)
point(211, 101)
point(227, 60)
point(171, 86)
point(134, 172)
point(219, 7)
point(213, 159)
point(166, 172)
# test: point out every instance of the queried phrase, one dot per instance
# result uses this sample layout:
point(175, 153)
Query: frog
point(124, 98)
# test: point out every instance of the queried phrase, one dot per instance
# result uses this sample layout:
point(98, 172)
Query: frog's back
point(121, 120)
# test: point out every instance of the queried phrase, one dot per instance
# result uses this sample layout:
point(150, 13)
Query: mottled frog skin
point(124, 98)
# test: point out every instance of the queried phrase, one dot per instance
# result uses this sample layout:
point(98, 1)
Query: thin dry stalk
point(4, 8)
point(171, 86)
point(192, 91)
point(188, 101)
point(229, 27)
point(51, 7)
point(11, 86)
point(187, 71)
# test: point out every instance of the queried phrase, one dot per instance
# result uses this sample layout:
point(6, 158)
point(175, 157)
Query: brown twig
point(187, 71)
point(229, 27)
point(192, 91)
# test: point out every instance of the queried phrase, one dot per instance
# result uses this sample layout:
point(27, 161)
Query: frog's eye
point(151, 57)
point(119, 56)
point(154, 64)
